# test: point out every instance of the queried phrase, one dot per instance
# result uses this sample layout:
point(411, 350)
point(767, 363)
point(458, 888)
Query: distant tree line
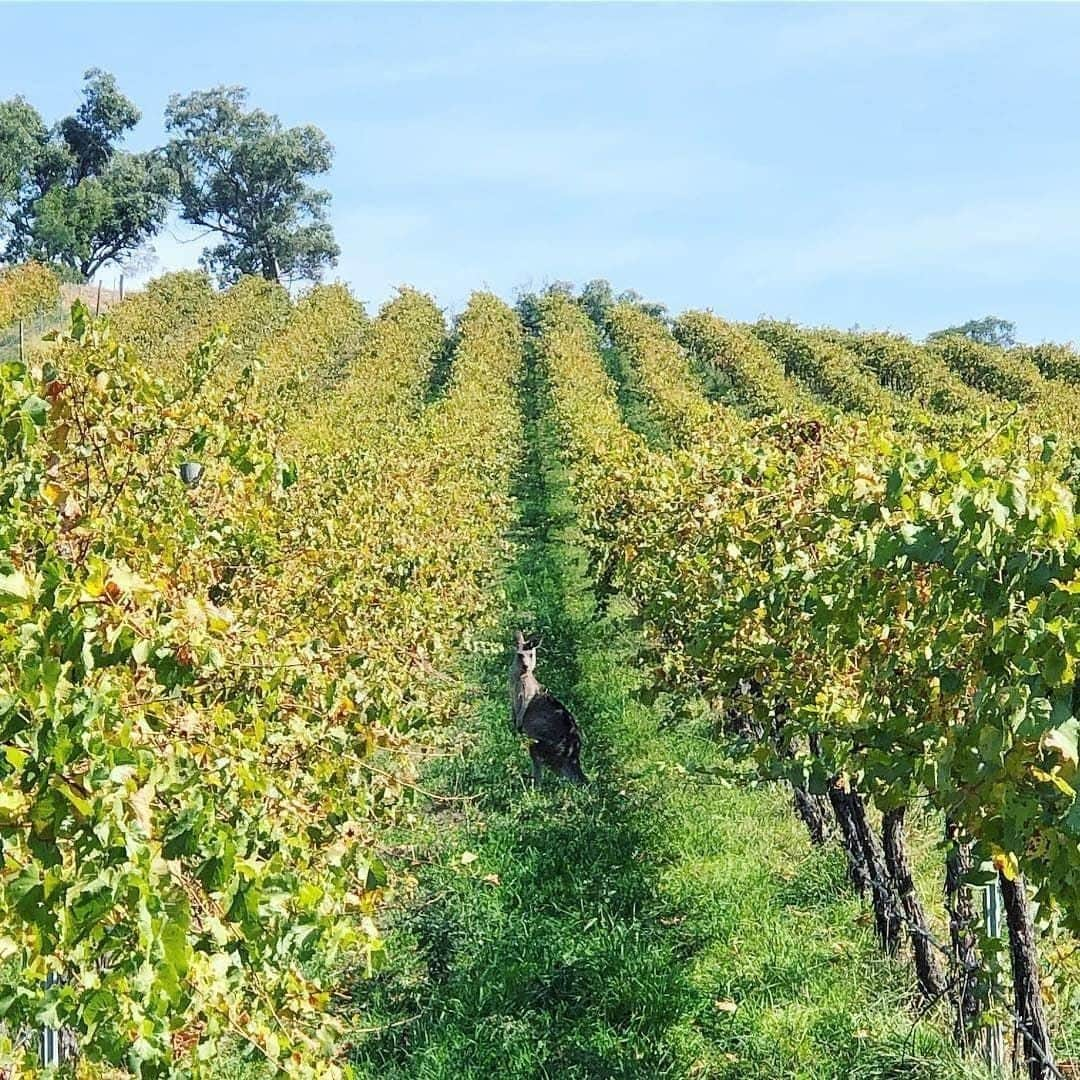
point(73, 197)
point(595, 297)
point(989, 330)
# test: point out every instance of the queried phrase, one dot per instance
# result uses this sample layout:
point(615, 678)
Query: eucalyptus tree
point(69, 195)
point(989, 330)
point(243, 176)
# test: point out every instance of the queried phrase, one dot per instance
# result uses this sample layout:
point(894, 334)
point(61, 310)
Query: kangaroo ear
point(520, 640)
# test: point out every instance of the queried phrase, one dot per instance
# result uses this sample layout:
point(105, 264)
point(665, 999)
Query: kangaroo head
point(526, 654)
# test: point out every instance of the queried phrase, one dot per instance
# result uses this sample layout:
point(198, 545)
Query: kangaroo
point(549, 725)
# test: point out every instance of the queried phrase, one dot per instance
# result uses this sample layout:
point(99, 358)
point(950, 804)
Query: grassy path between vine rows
point(663, 922)
point(633, 402)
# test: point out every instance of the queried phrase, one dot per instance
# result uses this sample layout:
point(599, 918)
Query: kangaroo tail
point(569, 753)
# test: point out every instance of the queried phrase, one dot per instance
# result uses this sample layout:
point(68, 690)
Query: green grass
point(669, 920)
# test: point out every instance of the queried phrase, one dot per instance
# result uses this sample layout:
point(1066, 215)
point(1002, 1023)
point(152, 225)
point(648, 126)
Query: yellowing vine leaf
point(1064, 740)
point(15, 586)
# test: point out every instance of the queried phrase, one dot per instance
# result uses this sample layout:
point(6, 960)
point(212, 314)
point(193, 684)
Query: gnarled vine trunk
point(1035, 1054)
point(927, 965)
point(965, 952)
point(882, 891)
point(814, 814)
point(849, 836)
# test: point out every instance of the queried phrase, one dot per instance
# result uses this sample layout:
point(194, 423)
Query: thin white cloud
point(575, 162)
point(1007, 239)
point(869, 32)
point(377, 225)
point(514, 46)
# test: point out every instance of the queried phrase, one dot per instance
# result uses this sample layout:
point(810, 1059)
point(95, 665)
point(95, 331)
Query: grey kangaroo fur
point(554, 737)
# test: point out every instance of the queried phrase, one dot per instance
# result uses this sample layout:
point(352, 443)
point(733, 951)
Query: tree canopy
point(72, 197)
point(243, 176)
point(68, 194)
point(597, 297)
point(989, 330)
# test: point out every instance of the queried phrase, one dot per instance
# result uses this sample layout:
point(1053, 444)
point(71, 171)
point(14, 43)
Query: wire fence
point(959, 969)
point(17, 338)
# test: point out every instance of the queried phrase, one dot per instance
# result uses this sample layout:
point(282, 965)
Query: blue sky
point(890, 166)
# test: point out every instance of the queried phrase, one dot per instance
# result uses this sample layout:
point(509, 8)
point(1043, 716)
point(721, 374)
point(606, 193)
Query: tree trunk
point(1034, 1037)
point(838, 799)
point(882, 891)
point(270, 265)
point(961, 910)
point(813, 813)
point(927, 967)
